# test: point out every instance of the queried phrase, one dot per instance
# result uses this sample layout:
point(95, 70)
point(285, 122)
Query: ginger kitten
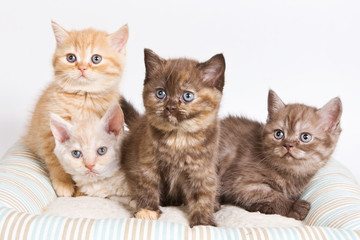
point(88, 66)
point(89, 151)
point(170, 155)
point(266, 167)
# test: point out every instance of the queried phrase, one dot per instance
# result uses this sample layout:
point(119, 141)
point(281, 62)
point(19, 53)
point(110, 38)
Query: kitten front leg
point(61, 181)
point(299, 210)
point(147, 196)
point(200, 194)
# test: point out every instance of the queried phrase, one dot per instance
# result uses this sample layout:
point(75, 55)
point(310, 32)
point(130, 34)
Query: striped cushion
point(335, 198)
point(27, 226)
point(25, 190)
point(24, 181)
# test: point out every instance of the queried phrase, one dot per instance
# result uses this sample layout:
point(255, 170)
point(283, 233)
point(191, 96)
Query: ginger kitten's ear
point(113, 120)
point(330, 113)
point(119, 38)
point(274, 104)
point(213, 71)
point(60, 33)
point(59, 128)
point(152, 60)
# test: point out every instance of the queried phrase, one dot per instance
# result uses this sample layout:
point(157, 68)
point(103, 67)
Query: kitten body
point(265, 167)
point(95, 166)
point(88, 66)
point(170, 155)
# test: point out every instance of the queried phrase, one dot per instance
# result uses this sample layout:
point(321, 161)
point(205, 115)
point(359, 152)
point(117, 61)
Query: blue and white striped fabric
point(25, 191)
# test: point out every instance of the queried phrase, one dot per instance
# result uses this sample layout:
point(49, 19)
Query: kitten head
point(89, 150)
point(181, 93)
point(301, 137)
point(89, 60)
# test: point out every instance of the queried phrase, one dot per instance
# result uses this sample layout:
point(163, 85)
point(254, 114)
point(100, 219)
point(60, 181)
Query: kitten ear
point(152, 60)
point(213, 71)
point(330, 113)
point(59, 128)
point(113, 120)
point(274, 104)
point(60, 33)
point(119, 38)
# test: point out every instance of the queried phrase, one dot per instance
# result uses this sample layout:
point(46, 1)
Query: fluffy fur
point(118, 207)
point(266, 167)
point(80, 90)
point(171, 153)
point(94, 173)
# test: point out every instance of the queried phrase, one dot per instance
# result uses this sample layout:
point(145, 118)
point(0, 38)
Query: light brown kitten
point(266, 167)
point(170, 155)
point(88, 66)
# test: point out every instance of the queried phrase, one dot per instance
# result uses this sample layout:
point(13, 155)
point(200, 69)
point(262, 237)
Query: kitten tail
point(131, 115)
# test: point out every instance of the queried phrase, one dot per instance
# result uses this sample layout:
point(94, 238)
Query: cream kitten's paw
point(147, 214)
point(63, 189)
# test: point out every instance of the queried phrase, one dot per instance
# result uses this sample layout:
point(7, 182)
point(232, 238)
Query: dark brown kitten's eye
point(305, 137)
point(278, 134)
point(160, 93)
point(188, 96)
point(96, 59)
point(71, 58)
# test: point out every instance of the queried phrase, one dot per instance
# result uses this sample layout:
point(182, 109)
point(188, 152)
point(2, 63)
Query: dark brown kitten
point(266, 167)
point(170, 156)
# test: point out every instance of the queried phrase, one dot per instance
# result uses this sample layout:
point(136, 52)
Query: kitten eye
point(305, 137)
point(76, 154)
point(188, 96)
point(278, 134)
point(96, 59)
point(101, 151)
point(71, 58)
point(160, 93)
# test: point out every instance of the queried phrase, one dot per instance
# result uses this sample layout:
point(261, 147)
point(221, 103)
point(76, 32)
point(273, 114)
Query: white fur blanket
point(98, 208)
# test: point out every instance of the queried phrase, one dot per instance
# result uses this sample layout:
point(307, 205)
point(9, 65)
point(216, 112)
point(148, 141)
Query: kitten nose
point(288, 146)
point(89, 166)
point(171, 108)
point(82, 68)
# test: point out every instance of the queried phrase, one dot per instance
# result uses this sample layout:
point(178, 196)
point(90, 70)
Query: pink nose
point(82, 68)
point(288, 146)
point(90, 167)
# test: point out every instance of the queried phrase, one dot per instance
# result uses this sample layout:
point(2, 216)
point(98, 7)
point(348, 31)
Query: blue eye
point(96, 59)
point(305, 137)
point(278, 134)
point(188, 96)
point(76, 154)
point(71, 58)
point(101, 151)
point(160, 93)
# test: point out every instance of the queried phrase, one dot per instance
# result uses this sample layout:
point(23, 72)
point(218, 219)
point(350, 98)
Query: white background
point(307, 51)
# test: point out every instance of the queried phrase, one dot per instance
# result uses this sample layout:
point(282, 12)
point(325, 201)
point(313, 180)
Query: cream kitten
point(90, 151)
point(88, 65)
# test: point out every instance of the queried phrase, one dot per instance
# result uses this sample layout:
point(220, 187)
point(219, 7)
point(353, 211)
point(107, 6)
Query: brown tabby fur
point(170, 156)
point(261, 173)
point(73, 97)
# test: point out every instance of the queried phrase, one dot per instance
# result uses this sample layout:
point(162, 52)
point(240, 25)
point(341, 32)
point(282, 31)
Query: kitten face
point(182, 93)
point(89, 60)
point(297, 134)
point(89, 150)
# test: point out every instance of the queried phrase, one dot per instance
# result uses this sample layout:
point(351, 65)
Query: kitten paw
point(198, 219)
point(299, 210)
point(266, 208)
point(63, 189)
point(147, 214)
point(78, 193)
